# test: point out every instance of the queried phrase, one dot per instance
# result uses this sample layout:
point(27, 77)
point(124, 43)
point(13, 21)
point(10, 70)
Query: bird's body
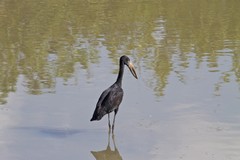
point(109, 101)
point(111, 98)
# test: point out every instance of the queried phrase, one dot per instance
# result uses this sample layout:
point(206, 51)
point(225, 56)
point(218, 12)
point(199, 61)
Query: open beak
point(132, 69)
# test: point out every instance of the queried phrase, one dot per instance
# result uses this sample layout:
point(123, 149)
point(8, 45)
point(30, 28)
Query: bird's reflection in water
point(108, 153)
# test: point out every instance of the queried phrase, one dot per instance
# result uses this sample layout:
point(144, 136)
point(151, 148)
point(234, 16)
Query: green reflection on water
point(43, 40)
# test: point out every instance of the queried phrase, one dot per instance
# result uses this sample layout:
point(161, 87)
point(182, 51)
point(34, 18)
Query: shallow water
point(57, 57)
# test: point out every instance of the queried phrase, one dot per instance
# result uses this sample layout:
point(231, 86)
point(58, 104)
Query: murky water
point(56, 57)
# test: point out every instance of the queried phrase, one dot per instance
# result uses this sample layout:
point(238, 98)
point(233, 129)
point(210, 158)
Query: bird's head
point(128, 63)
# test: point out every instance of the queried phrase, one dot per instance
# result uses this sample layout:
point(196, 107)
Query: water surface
point(57, 57)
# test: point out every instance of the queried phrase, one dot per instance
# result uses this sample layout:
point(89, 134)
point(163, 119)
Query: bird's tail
point(98, 114)
point(96, 117)
point(93, 119)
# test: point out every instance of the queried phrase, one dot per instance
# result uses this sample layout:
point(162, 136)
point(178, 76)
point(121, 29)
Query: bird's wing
point(109, 100)
point(100, 110)
point(103, 96)
point(113, 98)
point(116, 97)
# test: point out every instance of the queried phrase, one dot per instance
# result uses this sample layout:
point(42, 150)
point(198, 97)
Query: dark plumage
point(111, 98)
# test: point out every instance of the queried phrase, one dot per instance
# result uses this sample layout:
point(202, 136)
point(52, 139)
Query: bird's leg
point(115, 112)
point(113, 123)
point(109, 124)
point(114, 144)
point(109, 138)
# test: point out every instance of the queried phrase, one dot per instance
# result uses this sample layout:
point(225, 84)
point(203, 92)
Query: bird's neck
point(120, 74)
